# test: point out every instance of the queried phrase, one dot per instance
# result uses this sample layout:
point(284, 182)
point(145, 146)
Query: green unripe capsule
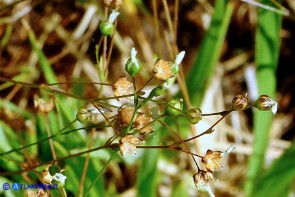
point(84, 115)
point(106, 28)
point(53, 169)
point(133, 67)
point(157, 91)
point(174, 107)
point(194, 115)
point(175, 69)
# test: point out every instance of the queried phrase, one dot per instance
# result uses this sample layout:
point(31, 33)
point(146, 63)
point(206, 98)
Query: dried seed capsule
point(194, 115)
point(142, 123)
point(114, 4)
point(202, 178)
point(163, 70)
point(265, 103)
point(42, 106)
point(212, 160)
point(174, 107)
point(124, 116)
point(240, 102)
point(122, 87)
point(128, 144)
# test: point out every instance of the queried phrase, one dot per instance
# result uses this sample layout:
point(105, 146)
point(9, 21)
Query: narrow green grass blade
point(266, 57)
point(74, 176)
point(209, 51)
point(16, 109)
point(8, 137)
point(278, 179)
point(25, 75)
point(180, 189)
point(147, 175)
point(100, 173)
point(6, 37)
point(44, 63)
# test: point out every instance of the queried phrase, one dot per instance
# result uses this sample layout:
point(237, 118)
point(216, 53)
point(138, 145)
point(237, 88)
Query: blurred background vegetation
point(232, 47)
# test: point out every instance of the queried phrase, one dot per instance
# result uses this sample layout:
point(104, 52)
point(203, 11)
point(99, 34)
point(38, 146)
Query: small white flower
point(179, 57)
point(113, 16)
point(60, 178)
point(166, 85)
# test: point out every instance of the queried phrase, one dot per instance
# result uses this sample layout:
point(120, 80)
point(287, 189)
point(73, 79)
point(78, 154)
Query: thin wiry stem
point(186, 146)
point(208, 131)
point(100, 173)
point(50, 137)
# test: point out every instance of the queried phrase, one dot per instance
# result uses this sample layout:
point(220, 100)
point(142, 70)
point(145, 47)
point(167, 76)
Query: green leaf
point(180, 189)
point(266, 58)
point(278, 179)
point(209, 51)
point(44, 63)
point(147, 175)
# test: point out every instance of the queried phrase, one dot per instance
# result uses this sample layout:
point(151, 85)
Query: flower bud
point(133, 65)
point(265, 103)
point(194, 115)
point(174, 107)
point(157, 91)
point(240, 102)
point(114, 4)
point(106, 28)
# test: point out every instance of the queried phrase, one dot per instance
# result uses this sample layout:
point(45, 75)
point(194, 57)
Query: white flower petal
point(113, 16)
point(59, 178)
point(133, 54)
point(166, 85)
point(179, 57)
point(228, 150)
point(274, 107)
